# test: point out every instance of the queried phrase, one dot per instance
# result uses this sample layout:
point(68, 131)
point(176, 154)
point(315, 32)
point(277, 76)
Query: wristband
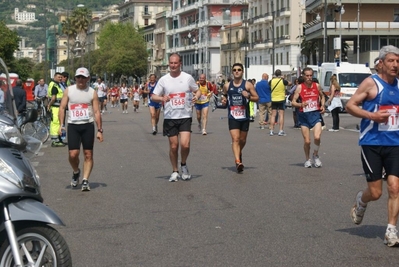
point(100, 130)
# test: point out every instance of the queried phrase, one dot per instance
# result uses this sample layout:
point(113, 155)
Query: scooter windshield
point(7, 104)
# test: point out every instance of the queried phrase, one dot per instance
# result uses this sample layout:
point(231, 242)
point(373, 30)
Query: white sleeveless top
point(80, 105)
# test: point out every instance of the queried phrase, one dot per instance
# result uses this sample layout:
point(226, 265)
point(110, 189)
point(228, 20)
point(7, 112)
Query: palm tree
point(309, 49)
point(70, 32)
point(80, 21)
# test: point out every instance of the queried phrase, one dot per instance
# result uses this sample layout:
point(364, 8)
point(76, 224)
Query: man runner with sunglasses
point(236, 95)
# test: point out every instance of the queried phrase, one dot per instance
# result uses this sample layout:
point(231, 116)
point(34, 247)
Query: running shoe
point(185, 175)
point(357, 211)
point(85, 185)
point(271, 133)
point(57, 144)
point(281, 133)
point(154, 130)
point(262, 127)
point(308, 164)
point(317, 161)
point(391, 237)
point(174, 177)
point(75, 178)
point(239, 167)
point(204, 132)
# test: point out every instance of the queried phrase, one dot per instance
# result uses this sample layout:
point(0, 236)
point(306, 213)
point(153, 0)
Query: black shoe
point(239, 167)
point(75, 179)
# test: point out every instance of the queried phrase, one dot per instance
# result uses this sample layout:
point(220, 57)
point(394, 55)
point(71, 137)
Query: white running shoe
point(308, 164)
point(391, 237)
point(357, 211)
point(281, 133)
point(174, 177)
point(317, 161)
point(271, 133)
point(185, 175)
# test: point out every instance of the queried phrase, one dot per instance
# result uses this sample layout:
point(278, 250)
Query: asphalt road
point(276, 213)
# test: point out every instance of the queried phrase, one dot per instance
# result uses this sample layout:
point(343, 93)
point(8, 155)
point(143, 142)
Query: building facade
point(24, 16)
point(194, 32)
point(363, 31)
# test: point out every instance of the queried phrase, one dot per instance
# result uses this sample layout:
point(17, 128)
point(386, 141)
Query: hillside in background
point(35, 37)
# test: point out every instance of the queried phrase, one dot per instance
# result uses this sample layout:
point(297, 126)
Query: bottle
point(63, 134)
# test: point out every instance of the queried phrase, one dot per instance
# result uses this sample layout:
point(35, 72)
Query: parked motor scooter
point(26, 237)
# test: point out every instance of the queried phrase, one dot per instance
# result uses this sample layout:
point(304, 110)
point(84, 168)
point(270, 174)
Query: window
point(146, 10)
point(145, 22)
point(288, 58)
point(396, 15)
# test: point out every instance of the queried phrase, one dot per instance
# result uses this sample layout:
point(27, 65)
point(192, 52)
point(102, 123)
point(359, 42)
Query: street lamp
point(342, 11)
point(228, 13)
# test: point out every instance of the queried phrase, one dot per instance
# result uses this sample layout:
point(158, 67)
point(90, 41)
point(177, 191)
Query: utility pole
point(273, 40)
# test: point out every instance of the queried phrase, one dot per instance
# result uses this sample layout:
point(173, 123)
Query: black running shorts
point(172, 127)
point(374, 158)
point(80, 134)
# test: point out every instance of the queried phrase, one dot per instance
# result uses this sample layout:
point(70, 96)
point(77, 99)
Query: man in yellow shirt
point(277, 85)
point(202, 104)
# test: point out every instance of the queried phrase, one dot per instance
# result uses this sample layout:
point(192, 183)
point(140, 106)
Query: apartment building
point(24, 16)
point(141, 12)
point(159, 59)
point(194, 31)
point(275, 33)
point(363, 31)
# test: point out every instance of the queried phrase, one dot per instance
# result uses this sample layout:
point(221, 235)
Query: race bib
point(311, 106)
point(203, 98)
point(238, 112)
point(392, 123)
point(178, 100)
point(79, 112)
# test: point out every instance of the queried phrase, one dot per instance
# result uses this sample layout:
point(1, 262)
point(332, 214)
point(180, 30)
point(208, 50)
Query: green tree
point(78, 26)
point(8, 43)
point(122, 51)
point(309, 49)
point(23, 67)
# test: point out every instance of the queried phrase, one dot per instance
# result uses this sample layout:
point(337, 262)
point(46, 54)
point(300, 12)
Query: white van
point(349, 77)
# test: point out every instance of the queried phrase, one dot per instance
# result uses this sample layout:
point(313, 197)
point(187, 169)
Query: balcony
point(186, 9)
point(285, 39)
point(229, 47)
point(267, 17)
point(146, 15)
point(261, 44)
point(351, 28)
point(284, 12)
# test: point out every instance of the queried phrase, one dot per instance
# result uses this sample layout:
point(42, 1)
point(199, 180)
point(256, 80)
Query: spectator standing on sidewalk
point(277, 85)
point(265, 104)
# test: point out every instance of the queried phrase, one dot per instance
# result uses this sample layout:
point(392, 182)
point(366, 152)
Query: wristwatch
point(100, 130)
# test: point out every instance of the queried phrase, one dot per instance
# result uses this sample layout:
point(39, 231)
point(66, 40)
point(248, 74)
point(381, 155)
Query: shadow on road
point(366, 231)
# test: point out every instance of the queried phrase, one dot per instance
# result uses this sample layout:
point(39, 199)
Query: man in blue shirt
point(265, 102)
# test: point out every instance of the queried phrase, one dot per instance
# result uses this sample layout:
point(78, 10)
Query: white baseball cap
point(83, 72)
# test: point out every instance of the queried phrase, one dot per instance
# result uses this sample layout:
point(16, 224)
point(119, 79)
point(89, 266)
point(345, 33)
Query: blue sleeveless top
point(238, 108)
point(381, 134)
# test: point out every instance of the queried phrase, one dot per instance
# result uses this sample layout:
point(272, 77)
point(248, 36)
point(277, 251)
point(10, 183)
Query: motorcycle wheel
point(39, 245)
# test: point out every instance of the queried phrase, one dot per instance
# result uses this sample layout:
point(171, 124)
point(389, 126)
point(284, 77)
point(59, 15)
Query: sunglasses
point(80, 77)
point(237, 69)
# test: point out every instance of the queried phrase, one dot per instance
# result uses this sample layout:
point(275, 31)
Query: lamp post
point(358, 32)
point(273, 41)
point(228, 13)
point(341, 12)
point(325, 58)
